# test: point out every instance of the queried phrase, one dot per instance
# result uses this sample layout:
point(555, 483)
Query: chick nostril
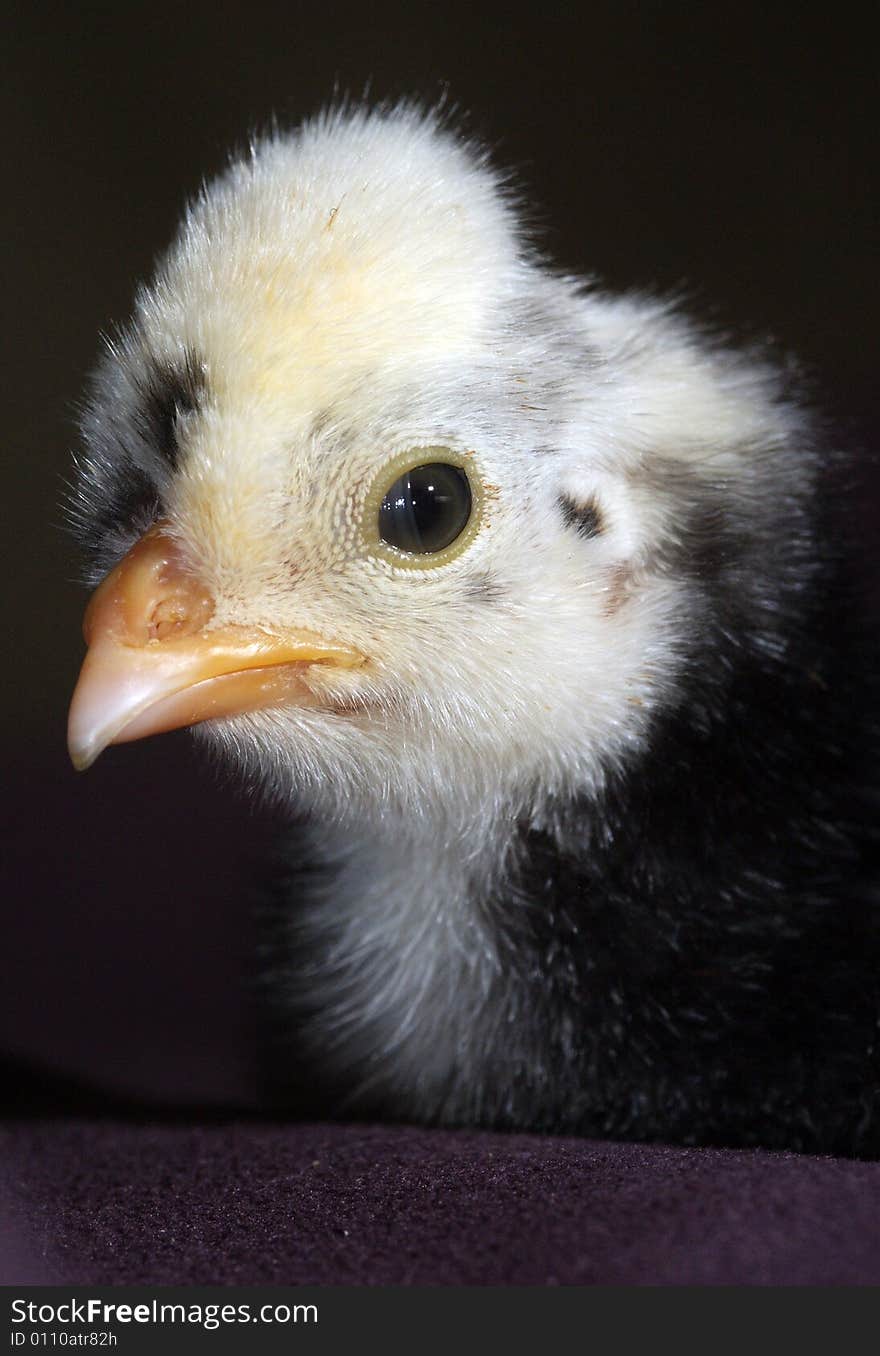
point(178, 615)
point(151, 595)
point(168, 619)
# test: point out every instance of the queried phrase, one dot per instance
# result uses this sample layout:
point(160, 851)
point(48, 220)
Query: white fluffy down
point(355, 290)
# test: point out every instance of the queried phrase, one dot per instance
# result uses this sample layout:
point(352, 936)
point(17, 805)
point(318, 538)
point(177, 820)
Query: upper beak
point(154, 663)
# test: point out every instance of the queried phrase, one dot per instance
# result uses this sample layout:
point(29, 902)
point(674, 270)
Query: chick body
point(590, 834)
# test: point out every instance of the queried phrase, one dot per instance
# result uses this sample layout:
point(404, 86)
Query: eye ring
point(438, 495)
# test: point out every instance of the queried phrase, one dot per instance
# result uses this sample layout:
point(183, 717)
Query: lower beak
point(154, 663)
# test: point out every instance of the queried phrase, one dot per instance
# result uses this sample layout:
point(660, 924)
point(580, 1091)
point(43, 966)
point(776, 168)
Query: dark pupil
point(426, 508)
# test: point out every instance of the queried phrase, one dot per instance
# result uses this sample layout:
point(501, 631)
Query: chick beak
point(154, 662)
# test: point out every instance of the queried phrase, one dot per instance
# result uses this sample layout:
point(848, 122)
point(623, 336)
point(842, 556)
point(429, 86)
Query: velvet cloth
point(113, 1200)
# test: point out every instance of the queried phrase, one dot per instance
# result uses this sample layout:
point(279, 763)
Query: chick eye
point(426, 508)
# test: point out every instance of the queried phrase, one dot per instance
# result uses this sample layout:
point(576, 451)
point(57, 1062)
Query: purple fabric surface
point(114, 1201)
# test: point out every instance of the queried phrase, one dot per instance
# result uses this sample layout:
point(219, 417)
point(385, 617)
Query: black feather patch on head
point(129, 502)
point(168, 392)
point(131, 436)
point(585, 518)
point(109, 507)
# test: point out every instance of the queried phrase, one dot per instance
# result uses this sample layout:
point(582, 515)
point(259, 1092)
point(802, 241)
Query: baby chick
point(530, 603)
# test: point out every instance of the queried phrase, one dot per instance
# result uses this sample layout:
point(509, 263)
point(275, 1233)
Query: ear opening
point(607, 509)
point(584, 515)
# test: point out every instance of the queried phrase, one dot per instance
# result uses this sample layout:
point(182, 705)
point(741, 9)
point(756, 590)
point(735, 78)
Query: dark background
point(715, 151)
